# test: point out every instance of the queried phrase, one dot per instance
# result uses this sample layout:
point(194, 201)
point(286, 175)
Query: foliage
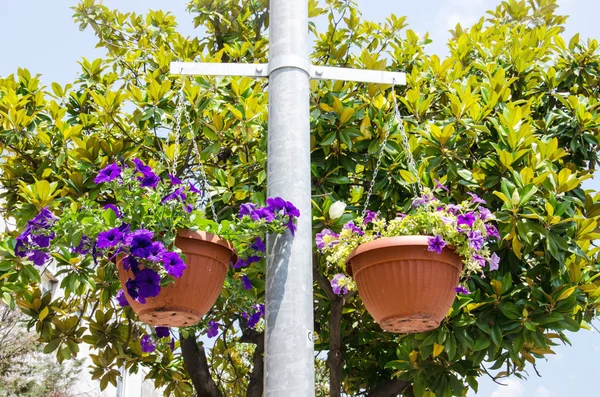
point(465, 228)
point(24, 370)
point(512, 110)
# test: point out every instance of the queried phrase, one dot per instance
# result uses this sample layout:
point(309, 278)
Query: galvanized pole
point(289, 351)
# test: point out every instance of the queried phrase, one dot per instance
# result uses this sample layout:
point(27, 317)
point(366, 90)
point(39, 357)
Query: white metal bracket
point(264, 69)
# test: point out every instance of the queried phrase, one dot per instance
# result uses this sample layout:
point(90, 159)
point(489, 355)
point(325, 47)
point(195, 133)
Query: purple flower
point(246, 262)
point(114, 208)
point(21, 245)
point(258, 245)
point(109, 238)
point(121, 298)
point(125, 228)
point(453, 209)
point(38, 257)
point(174, 265)
point(475, 240)
point(42, 220)
point(276, 204)
point(140, 243)
point(476, 199)
point(178, 194)
point(81, 247)
point(162, 332)
point(140, 166)
point(246, 282)
point(494, 262)
point(147, 283)
point(485, 214)
point(42, 240)
point(466, 219)
point(436, 244)
point(254, 319)
point(189, 208)
point(492, 231)
point(320, 239)
point(246, 209)
point(480, 259)
point(148, 345)
point(132, 290)
point(461, 290)
point(213, 329)
point(369, 217)
point(194, 189)
point(108, 173)
point(156, 251)
point(149, 179)
point(262, 213)
point(438, 185)
point(291, 225)
point(129, 262)
point(424, 199)
point(335, 284)
point(352, 227)
point(172, 344)
point(174, 180)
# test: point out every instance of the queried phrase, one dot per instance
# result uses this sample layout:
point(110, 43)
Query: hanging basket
point(405, 287)
point(184, 302)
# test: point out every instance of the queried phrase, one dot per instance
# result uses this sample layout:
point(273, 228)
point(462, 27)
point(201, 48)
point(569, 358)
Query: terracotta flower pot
point(405, 287)
point(185, 301)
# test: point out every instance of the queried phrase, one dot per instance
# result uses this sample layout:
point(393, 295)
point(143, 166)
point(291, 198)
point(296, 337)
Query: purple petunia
point(109, 239)
point(476, 199)
point(38, 257)
point(277, 204)
point(194, 189)
point(162, 332)
point(178, 194)
point(43, 219)
point(172, 344)
point(258, 245)
point(129, 262)
point(369, 217)
point(436, 244)
point(352, 227)
point(174, 180)
point(114, 208)
point(492, 231)
point(262, 213)
point(485, 214)
point(480, 259)
point(453, 209)
point(147, 283)
point(321, 237)
point(246, 209)
point(246, 283)
point(108, 173)
point(254, 319)
point(494, 262)
point(83, 246)
point(121, 299)
point(132, 290)
point(461, 290)
point(42, 240)
point(246, 262)
point(424, 199)
point(140, 166)
point(476, 240)
point(466, 219)
point(149, 179)
point(147, 343)
point(335, 284)
point(140, 243)
point(174, 265)
point(213, 329)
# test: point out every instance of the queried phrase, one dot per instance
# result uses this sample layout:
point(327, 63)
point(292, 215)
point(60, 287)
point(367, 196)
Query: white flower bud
point(337, 209)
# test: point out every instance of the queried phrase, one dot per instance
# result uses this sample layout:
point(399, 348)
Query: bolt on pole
point(289, 351)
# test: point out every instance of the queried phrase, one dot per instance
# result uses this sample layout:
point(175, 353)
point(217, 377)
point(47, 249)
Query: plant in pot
point(407, 269)
point(171, 261)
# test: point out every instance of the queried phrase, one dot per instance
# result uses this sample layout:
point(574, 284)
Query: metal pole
point(289, 351)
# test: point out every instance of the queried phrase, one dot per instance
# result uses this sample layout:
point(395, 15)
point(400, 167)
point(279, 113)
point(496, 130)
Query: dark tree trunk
point(390, 388)
point(255, 384)
point(335, 359)
point(194, 359)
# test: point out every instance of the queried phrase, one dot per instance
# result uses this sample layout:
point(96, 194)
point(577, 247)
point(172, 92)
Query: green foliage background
point(511, 115)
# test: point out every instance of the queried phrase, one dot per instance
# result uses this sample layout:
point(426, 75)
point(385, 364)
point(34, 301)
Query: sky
point(40, 35)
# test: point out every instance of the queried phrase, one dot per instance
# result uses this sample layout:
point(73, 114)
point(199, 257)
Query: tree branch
point(390, 388)
point(255, 384)
point(194, 360)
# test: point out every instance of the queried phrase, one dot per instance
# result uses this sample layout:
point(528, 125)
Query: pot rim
point(206, 236)
point(388, 242)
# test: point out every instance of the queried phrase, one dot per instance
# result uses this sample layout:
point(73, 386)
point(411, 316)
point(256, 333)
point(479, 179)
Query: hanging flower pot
point(189, 297)
point(405, 287)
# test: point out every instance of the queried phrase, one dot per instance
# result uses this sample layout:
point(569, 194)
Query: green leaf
point(496, 335)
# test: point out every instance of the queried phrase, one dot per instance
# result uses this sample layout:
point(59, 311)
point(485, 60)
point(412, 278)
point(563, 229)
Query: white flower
point(337, 209)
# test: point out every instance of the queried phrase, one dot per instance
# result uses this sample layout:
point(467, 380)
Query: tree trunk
point(335, 359)
point(194, 360)
point(256, 382)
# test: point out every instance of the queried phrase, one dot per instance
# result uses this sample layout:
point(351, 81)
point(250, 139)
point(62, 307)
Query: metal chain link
point(409, 157)
point(207, 198)
point(412, 167)
point(179, 106)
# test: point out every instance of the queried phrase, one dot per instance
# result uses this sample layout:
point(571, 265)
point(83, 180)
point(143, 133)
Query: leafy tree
point(511, 114)
point(24, 370)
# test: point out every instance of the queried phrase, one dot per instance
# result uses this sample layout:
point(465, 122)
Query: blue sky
point(41, 36)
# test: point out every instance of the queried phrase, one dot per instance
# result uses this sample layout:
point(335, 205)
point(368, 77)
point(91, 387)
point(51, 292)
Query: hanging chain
point(205, 186)
point(417, 187)
point(412, 167)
